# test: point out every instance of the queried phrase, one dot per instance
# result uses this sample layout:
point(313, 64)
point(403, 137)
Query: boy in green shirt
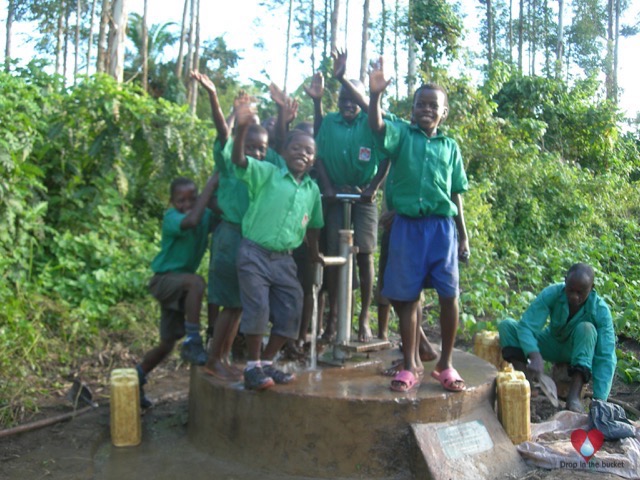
point(284, 205)
point(428, 234)
point(579, 332)
point(348, 162)
point(185, 230)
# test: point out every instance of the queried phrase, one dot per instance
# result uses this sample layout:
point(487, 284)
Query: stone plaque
point(464, 439)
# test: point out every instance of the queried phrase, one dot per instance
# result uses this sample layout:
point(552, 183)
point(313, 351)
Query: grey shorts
point(223, 288)
point(269, 288)
point(168, 289)
point(364, 219)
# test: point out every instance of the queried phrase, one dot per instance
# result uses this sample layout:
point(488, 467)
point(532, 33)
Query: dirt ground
point(81, 449)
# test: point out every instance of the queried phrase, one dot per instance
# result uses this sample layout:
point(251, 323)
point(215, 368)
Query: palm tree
point(158, 39)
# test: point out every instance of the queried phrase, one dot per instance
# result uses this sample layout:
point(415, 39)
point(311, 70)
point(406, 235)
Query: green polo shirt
point(347, 150)
point(426, 170)
point(552, 304)
point(280, 209)
point(233, 197)
point(181, 250)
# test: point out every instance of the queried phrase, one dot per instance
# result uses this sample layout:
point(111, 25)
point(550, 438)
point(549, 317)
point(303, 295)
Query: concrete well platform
point(333, 422)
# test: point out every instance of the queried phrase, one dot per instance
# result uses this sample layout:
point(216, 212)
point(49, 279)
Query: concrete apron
point(346, 422)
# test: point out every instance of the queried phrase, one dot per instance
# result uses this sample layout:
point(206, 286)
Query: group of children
point(269, 207)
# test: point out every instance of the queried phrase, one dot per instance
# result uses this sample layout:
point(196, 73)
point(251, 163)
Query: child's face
point(184, 197)
point(429, 109)
point(347, 106)
point(300, 154)
point(256, 144)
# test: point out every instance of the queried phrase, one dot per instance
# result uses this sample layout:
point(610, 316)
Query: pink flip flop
point(404, 381)
point(448, 378)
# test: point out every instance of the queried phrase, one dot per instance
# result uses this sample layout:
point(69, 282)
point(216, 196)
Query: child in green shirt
point(284, 206)
point(175, 284)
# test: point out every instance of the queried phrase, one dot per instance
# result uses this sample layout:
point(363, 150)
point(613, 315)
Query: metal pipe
point(315, 288)
point(344, 295)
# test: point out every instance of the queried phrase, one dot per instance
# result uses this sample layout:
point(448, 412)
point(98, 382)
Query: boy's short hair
point(180, 182)
point(254, 128)
point(293, 134)
point(432, 86)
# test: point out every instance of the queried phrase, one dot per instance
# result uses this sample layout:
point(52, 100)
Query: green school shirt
point(347, 150)
point(426, 170)
point(280, 209)
point(552, 304)
point(233, 197)
point(181, 250)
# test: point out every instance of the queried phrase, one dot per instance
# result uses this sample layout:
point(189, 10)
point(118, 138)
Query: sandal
point(404, 381)
point(450, 379)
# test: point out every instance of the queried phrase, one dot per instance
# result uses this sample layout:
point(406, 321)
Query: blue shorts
point(269, 288)
point(423, 253)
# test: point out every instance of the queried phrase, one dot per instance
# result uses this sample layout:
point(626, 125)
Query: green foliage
point(628, 367)
point(84, 181)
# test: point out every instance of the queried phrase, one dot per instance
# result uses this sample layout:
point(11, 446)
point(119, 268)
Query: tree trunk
point(117, 37)
point(334, 25)
point(312, 35)
point(346, 23)
point(533, 25)
point(76, 58)
point(560, 35)
point(190, 42)
point(288, 46)
point(510, 32)
point(608, 67)
point(7, 46)
point(396, 37)
point(489, 34)
point(145, 47)
point(615, 52)
point(383, 27)
point(411, 65)
point(59, 38)
point(90, 40)
point(365, 40)
point(325, 33)
point(180, 61)
point(193, 85)
point(65, 57)
point(101, 61)
point(521, 36)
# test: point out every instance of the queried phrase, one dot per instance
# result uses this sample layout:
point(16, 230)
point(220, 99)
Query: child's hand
point(339, 63)
point(277, 95)
point(290, 109)
point(386, 219)
point(377, 82)
point(316, 89)
point(204, 81)
point(245, 111)
point(242, 97)
point(463, 250)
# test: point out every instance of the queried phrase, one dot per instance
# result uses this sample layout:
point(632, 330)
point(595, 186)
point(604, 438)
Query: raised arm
point(216, 112)
point(339, 69)
point(195, 214)
point(315, 91)
point(287, 112)
point(244, 117)
point(377, 85)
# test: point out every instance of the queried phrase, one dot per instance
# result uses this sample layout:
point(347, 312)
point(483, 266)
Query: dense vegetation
point(85, 174)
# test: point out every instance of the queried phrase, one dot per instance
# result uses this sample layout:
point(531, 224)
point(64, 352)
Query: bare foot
point(575, 405)
point(364, 331)
point(427, 352)
point(398, 365)
point(219, 370)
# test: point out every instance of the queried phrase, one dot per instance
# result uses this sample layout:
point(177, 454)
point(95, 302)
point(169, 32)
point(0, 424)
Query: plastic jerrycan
point(514, 411)
point(126, 423)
